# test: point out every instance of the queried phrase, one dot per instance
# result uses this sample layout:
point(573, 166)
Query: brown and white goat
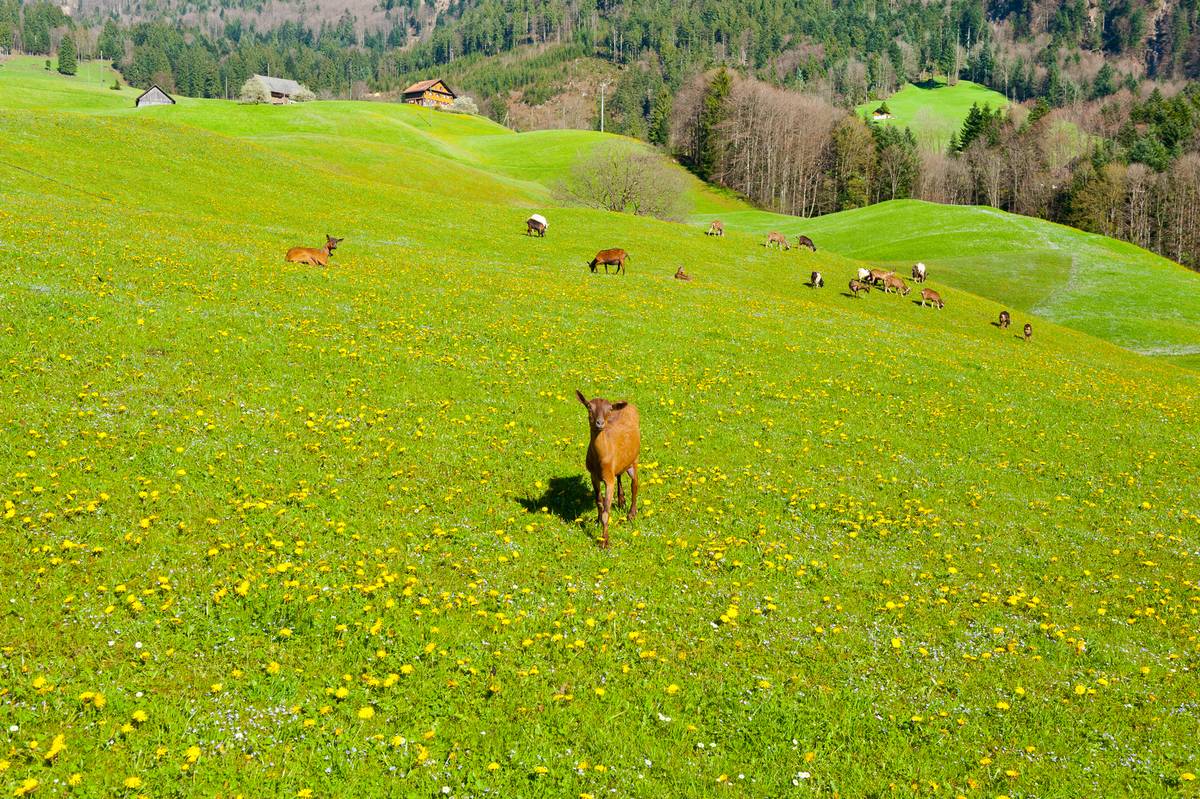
point(1005, 320)
point(1028, 331)
point(817, 281)
point(616, 440)
point(778, 240)
point(717, 228)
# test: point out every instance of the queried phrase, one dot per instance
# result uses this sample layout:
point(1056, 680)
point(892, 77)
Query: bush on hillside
point(627, 178)
point(463, 105)
point(254, 92)
point(304, 95)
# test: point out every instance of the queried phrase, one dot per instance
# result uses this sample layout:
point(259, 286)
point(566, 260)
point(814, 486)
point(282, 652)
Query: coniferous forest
point(1101, 130)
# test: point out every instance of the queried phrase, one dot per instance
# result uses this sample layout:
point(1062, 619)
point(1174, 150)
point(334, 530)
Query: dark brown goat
point(805, 241)
point(682, 275)
point(616, 440)
point(1005, 320)
point(1028, 331)
point(859, 285)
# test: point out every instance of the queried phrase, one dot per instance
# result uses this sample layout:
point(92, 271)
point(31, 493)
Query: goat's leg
point(632, 471)
point(608, 498)
point(596, 496)
point(620, 492)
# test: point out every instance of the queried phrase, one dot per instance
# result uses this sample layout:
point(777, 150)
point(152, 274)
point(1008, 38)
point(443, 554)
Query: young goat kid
point(616, 440)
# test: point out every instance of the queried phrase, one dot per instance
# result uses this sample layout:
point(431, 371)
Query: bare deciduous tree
point(627, 178)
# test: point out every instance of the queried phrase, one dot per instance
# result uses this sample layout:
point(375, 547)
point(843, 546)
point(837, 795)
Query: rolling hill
point(1107, 288)
point(934, 110)
point(277, 530)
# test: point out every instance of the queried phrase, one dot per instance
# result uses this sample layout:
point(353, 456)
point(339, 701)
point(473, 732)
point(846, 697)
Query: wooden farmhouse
point(153, 96)
point(282, 90)
point(429, 93)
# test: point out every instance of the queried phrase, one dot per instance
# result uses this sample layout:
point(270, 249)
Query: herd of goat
point(614, 441)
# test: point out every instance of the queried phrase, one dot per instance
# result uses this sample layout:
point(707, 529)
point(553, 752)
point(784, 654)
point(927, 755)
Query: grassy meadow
point(273, 530)
point(933, 109)
point(1107, 288)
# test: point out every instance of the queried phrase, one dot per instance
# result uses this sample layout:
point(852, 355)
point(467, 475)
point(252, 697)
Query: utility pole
point(603, 88)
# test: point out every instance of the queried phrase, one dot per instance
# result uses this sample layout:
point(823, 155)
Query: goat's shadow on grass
point(568, 498)
point(849, 296)
point(995, 324)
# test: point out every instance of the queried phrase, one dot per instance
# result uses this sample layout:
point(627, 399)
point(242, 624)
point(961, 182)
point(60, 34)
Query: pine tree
point(660, 120)
point(711, 115)
point(66, 56)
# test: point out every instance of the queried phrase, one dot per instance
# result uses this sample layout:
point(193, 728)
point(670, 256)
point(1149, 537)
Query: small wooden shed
point(429, 93)
point(153, 96)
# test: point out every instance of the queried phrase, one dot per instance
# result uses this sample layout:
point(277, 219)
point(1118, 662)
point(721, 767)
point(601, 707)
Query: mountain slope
point(277, 530)
point(1107, 288)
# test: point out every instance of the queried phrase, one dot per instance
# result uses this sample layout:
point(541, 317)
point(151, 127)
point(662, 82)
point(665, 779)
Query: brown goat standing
point(607, 258)
point(311, 255)
point(778, 239)
point(932, 297)
point(616, 440)
point(805, 241)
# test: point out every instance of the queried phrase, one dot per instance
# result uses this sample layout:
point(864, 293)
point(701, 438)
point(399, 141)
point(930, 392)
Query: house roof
point(279, 85)
point(154, 87)
point(424, 85)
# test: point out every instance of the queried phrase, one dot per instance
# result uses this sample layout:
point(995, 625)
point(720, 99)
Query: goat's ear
point(582, 398)
point(616, 406)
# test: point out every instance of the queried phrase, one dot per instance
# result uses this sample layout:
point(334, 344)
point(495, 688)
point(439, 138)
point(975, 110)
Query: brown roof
point(421, 86)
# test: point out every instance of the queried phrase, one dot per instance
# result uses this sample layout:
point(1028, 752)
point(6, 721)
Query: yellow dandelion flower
point(133, 783)
point(27, 787)
point(366, 712)
point(57, 745)
point(672, 689)
point(140, 716)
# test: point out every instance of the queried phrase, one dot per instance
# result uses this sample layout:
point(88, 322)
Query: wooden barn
point(282, 90)
point(429, 93)
point(153, 96)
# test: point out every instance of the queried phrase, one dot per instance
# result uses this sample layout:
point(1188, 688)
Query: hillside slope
point(274, 530)
point(1107, 288)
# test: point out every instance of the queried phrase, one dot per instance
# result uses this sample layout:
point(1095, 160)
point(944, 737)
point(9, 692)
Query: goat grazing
point(864, 274)
point(779, 240)
point(311, 255)
point(1005, 320)
point(918, 272)
point(536, 224)
point(1028, 331)
point(608, 258)
point(933, 298)
point(893, 283)
point(616, 440)
point(805, 241)
point(682, 275)
point(859, 285)
point(717, 228)
point(816, 281)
